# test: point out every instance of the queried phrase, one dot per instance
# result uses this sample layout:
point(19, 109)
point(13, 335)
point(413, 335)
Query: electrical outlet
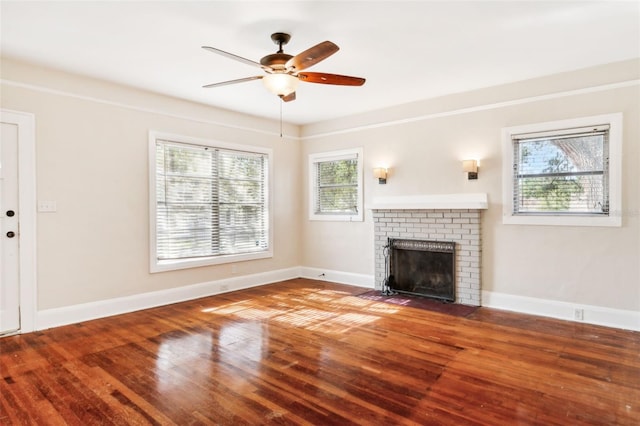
point(234, 268)
point(578, 314)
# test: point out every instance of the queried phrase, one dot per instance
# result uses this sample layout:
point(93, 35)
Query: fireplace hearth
point(424, 268)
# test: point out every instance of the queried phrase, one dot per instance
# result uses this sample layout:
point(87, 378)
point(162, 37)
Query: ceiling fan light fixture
point(280, 84)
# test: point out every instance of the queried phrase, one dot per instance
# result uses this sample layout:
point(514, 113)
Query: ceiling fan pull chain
point(281, 102)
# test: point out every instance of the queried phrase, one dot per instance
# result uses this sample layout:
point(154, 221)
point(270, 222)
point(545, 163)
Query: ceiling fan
point(283, 72)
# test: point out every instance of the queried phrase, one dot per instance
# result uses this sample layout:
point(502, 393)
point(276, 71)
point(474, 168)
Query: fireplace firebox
point(424, 268)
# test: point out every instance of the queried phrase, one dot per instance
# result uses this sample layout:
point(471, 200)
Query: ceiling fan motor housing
point(276, 60)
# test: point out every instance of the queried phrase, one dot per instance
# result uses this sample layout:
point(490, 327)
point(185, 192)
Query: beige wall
point(92, 159)
point(425, 142)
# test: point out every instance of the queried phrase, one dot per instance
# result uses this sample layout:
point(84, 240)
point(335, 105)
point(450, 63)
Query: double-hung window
point(564, 172)
point(209, 203)
point(336, 185)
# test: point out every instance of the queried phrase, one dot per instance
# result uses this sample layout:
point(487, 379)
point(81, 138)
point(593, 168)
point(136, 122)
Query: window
point(209, 203)
point(563, 173)
point(336, 185)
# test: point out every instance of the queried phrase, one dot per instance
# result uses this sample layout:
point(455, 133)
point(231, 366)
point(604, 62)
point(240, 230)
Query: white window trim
point(171, 265)
point(615, 173)
point(328, 156)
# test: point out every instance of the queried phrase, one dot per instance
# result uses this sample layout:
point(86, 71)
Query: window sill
point(613, 220)
point(173, 265)
point(336, 218)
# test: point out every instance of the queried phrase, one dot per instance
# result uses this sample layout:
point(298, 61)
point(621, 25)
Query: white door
point(9, 228)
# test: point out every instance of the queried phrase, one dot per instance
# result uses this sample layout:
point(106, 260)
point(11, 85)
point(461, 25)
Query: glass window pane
point(210, 202)
point(337, 191)
point(334, 200)
point(561, 175)
point(342, 172)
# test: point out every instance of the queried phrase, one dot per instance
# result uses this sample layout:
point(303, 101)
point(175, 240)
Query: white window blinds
point(209, 201)
point(562, 172)
point(336, 185)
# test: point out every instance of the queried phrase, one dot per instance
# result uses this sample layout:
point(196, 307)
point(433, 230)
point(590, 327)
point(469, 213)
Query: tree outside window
point(210, 204)
point(563, 173)
point(336, 185)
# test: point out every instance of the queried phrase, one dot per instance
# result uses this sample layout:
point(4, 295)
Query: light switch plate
point(47, 206)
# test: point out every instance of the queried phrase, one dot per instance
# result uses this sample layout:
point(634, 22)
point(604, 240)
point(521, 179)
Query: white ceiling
point(407, 51)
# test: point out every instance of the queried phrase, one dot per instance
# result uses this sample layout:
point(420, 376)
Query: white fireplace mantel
point(476, 201)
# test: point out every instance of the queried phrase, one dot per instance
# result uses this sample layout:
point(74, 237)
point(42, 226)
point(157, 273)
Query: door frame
point(27, 208)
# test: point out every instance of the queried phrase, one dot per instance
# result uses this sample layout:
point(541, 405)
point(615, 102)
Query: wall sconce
point(381, 174)
point(471, 168)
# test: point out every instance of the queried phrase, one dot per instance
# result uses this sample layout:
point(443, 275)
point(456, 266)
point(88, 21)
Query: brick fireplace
point(448, 218)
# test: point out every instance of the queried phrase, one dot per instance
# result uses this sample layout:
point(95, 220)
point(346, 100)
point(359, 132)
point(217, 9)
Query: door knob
point(11, 234)
point(10, 213)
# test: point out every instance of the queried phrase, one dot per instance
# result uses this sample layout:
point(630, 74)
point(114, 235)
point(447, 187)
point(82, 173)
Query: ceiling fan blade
point(290, 97)
point(312, 56)
point(239, 80)
point(236, 57)
point(324, 78)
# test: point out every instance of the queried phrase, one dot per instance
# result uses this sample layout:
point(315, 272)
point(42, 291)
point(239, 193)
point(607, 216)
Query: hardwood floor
point(311, 353)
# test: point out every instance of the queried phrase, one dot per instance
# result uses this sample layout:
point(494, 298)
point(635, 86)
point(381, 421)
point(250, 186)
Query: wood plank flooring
point(305, 352)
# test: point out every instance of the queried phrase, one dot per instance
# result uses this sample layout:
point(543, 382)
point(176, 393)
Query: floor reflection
point(298, 310)
point(177, 351)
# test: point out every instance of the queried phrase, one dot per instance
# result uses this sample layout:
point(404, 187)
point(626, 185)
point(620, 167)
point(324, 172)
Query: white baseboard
point(597, 315)
point(359, 280)
point(104, 308)
point(617, 318)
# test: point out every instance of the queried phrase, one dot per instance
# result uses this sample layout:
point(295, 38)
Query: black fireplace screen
point(425, 268)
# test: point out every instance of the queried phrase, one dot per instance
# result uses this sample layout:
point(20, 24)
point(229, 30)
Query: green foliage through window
point(209, 201)
point(565, 173)
point(337, 187)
